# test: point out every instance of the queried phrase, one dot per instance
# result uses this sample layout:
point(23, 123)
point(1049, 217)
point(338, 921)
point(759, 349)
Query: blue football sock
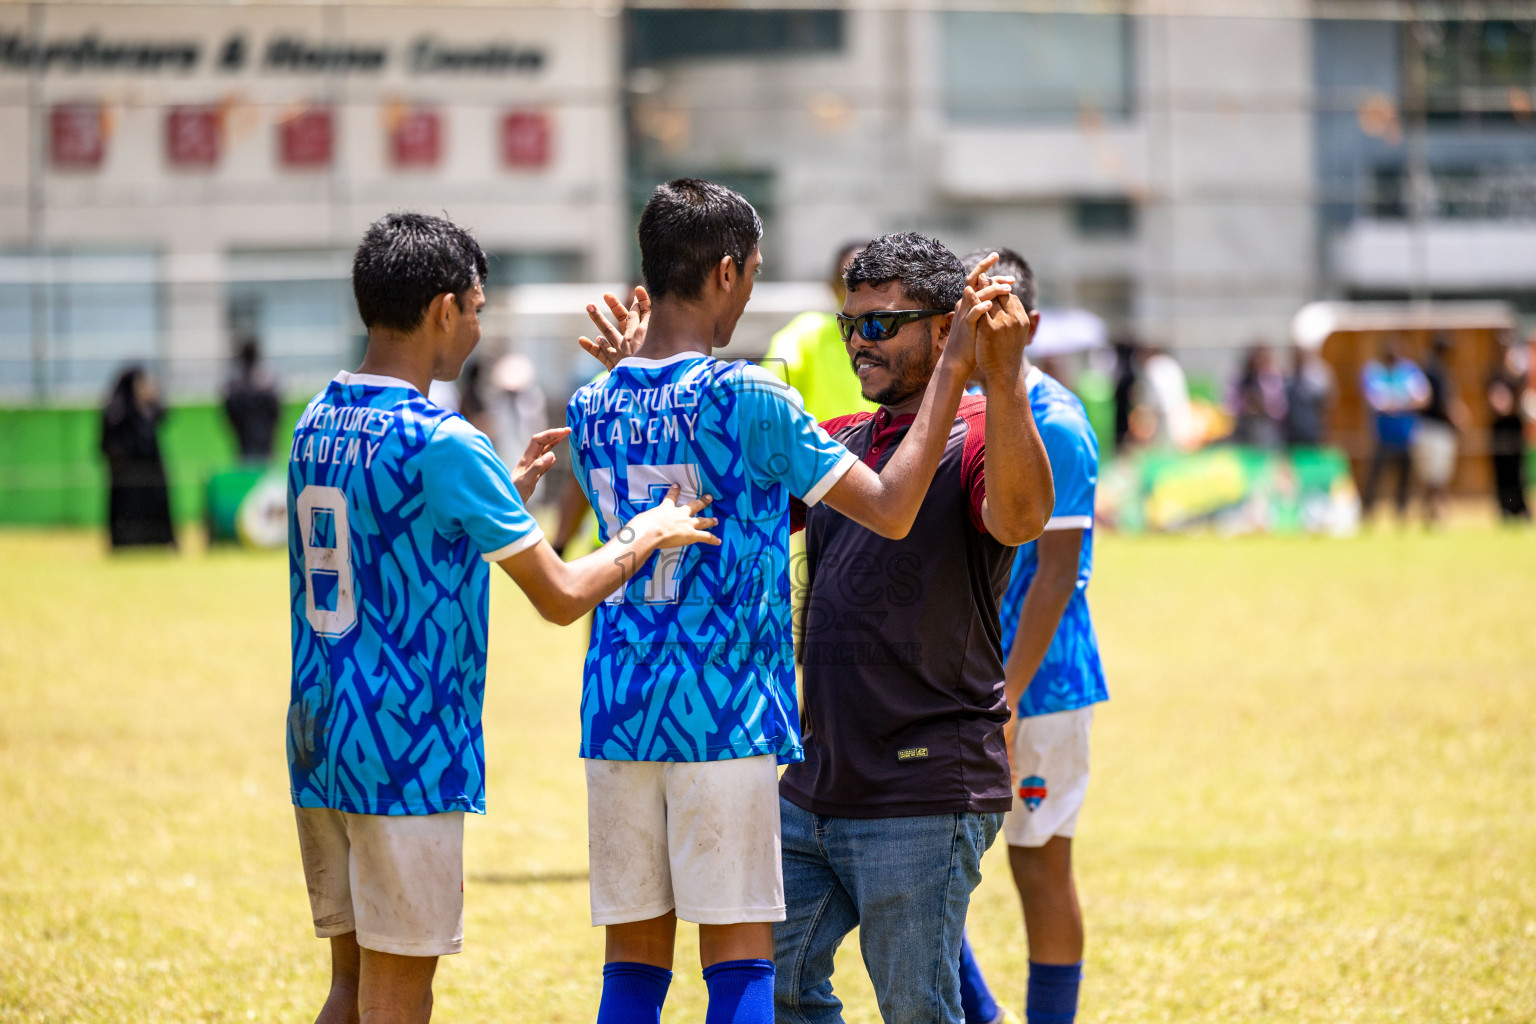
point(633, 993)
point(1052, 997)
point(975, 998)
point(740, 992)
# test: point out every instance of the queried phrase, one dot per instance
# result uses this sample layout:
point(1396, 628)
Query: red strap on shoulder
point(796, 514)
point(831, 426)
point(853, 419)
point(973, 456)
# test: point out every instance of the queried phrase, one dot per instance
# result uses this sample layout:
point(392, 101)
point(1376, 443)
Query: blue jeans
point(905, 883)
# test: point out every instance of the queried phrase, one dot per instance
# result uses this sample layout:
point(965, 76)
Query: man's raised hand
point(980, 296)
point(623, 336)
point(1003, 332)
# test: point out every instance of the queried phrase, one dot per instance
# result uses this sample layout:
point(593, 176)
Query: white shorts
point(396, 880)
point(1434, 452)
point(699, 838)
point(1050, 776)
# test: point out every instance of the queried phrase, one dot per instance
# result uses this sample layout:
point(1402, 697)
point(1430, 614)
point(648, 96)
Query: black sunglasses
point(880, 325)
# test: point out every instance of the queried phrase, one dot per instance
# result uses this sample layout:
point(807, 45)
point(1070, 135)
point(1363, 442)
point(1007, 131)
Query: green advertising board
point(52, 473)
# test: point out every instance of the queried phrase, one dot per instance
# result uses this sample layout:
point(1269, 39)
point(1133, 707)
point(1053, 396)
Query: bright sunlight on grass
point(1314, 794)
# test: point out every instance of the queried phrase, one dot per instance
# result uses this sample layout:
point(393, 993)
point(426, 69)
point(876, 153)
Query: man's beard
point(910, 372)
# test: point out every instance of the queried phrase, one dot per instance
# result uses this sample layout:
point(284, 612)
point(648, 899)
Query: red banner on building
point(527, 139)
point(306, 140)
point(77, 135)
point(416, 138)
point(194, 136)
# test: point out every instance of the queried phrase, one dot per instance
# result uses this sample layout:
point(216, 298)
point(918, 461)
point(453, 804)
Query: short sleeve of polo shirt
point(781, 442)
point(469, 492)
point(1074, 470)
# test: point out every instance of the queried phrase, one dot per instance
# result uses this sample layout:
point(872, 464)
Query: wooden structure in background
point(1350, 334)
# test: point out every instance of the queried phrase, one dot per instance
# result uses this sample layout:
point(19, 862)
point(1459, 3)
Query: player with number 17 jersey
point(693, 659)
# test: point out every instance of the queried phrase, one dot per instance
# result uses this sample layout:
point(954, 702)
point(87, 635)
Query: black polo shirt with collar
point(902, 698)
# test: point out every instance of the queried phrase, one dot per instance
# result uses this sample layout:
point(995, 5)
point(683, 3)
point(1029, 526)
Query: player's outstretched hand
point(622, 336)
point(536, 459)
point(981, 294)
point(675, 524)
point(1002, 335)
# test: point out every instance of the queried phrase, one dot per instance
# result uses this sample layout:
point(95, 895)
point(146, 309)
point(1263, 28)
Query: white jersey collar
point(647, 364)
point(373, 380)
point(1033, 377)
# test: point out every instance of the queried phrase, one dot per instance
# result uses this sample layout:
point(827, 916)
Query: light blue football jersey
point(1071, 675)
point(693, 660)
point(395, 508)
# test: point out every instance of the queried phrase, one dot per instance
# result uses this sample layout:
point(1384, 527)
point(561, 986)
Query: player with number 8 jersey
point(395, 508)
point(395, 504)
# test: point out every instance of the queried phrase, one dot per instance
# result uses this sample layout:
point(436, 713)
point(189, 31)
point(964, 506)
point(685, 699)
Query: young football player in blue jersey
point(395, 509)
point(689, 701)
point(1053, 677)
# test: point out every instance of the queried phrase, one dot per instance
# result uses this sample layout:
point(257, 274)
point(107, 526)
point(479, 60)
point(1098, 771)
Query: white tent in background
point(1064, 331)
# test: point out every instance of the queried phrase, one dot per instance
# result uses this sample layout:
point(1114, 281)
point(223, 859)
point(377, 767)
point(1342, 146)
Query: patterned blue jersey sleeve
point(782, 442)
point(470, 493)
point(1071, 675)
point(1074, 455)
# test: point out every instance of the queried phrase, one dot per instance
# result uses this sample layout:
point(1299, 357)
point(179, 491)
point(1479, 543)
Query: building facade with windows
point(1427, 158)
point(1157, 170)
point(176, 177)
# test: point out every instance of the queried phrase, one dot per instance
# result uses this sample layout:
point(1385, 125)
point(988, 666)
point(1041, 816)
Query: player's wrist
point(644, 532)
point(950, 376)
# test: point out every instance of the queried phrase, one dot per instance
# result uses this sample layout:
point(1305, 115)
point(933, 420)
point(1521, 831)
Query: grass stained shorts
point(699, 838)
point(397, 880)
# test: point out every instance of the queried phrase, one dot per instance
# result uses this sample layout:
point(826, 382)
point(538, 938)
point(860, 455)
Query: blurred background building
point(179, 179)
point(177, 176)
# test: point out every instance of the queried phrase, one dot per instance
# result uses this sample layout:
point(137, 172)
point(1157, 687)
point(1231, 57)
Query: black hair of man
point(406, 260)
point(929, 274)
point(686, 227)
point(1009, 264)
point(844, 253)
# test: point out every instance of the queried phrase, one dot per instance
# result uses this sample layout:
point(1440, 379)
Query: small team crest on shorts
point(1032, 790)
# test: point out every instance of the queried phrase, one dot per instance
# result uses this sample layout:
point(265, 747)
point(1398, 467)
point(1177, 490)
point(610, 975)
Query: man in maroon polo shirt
point(905, 778)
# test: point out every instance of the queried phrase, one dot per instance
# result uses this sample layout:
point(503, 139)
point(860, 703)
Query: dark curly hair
point(929, 273)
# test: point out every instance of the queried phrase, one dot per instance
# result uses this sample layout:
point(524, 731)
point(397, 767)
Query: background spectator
point(1125, 389)
point(1171, 419)
point(1309, 394)
point(1395, 390)
point(472, 396)
point(1257, 400)
point(1509, 399)
point(515, 404)
point(251, 403)
point(138, 504)
point(1443, 417)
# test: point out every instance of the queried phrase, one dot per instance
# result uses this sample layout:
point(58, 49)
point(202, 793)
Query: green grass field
point(1314, 794)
